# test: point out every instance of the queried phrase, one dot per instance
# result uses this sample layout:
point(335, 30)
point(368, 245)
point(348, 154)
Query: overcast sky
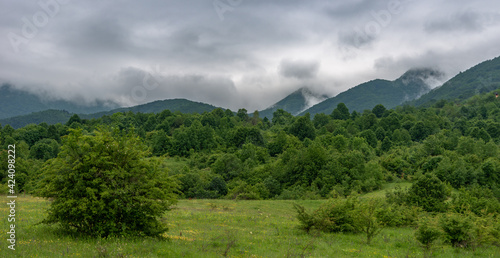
point(234, 53)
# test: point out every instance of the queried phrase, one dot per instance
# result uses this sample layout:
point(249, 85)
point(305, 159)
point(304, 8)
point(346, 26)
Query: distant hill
point(50, 117)
point(294, 103)
point(411, 85)
point(182, 105)
point(14, 102)
point(61, 116)
point(484, 77)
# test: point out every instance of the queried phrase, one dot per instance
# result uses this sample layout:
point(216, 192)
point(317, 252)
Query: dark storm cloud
point(249, 54)
point(298, 69)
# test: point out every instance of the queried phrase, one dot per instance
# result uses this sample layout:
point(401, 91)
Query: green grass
point(381, 193)
point(212, 228)
point(175, 165)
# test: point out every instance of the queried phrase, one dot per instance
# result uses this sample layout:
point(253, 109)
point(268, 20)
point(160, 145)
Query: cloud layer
point(234, 54)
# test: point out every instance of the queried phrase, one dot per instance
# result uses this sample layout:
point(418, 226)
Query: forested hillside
point(409, 86)
point(15, 102)
point(183, 105)
point(51, 117)
point(481, 78)
point(448, 155)
point(294, 103)
point(223, 155)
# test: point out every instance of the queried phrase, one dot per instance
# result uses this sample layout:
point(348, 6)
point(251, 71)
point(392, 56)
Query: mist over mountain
point(418, 81)
point(411, 85)
point(52, 116)
point(295, 103)
point(16, 102)
point(418, 86)
point(181, 105)
point(481, 78)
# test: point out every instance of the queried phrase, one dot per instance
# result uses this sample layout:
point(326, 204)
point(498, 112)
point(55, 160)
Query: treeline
point(225, 154)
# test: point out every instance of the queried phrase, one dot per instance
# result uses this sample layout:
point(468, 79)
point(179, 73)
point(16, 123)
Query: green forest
point(447, 154)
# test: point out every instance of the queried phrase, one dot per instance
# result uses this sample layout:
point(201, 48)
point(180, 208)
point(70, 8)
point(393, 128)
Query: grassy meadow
point(217, 228)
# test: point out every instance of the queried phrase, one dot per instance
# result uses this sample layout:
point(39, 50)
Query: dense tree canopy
point(291, 157)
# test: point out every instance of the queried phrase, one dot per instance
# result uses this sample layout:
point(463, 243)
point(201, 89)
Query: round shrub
point(457, 229)
point(429, 193)
point(427, 232)
point(103, 185)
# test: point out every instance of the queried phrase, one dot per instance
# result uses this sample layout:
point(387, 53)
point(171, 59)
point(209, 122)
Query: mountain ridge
point(413, 88)
point(295, 103)
point(412, 84)
point(52, 116)
point(483, 77)
point(16, 102)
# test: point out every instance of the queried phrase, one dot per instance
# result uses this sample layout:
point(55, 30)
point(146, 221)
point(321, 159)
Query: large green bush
point(103, 184)
point(344, 215)
point(479, 200)
point(429, 193)
point(337, 215)
point(394, 215)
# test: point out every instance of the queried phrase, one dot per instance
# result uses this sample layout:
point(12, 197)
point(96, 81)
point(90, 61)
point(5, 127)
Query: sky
point(234, 53)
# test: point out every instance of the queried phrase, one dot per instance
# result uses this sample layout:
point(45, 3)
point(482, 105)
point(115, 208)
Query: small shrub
point(470, 230)
point(393, 215)
point(297, 193)
point(218, 185)
point(336, 215)
point(241, 190)
point(342, 215)
point(495, 231)
point(306, 220)
point(427, 232)
point(397, 196)
point(483, 230)
point(458, 229)
point(365, 219)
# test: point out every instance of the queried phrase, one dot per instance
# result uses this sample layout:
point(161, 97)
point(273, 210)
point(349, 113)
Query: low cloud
point(355, 38)
point(465, 21)
point(135, 86)
point(299, 69)
point(259, 53)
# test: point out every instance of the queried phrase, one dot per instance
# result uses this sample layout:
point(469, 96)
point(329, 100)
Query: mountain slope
point(14, 102)
point(182, 105)
point(409, 86)
point(294, 103)
point(484, 77)
point(61, 116)
point(50, 117)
